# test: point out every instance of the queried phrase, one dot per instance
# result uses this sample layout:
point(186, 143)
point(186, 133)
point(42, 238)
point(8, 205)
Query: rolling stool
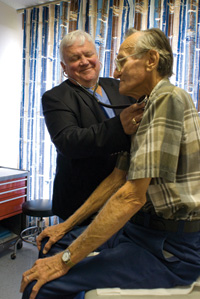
point(35, 208)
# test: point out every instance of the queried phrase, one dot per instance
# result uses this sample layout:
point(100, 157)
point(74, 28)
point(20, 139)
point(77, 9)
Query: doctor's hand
point(130, 118)
point(54, 233)
point(43, 271)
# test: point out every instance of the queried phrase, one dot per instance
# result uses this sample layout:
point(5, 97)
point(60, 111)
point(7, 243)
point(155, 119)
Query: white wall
point(11, 43)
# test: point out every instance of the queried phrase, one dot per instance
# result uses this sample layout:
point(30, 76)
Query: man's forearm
point(98, 198)
point(114, 215)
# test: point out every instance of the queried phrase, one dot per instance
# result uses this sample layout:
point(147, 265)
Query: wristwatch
point(66, 258)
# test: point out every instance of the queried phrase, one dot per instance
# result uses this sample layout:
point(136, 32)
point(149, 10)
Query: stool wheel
point(18, 245)
point(13, 256)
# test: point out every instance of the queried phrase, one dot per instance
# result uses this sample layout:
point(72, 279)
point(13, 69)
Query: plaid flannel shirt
point(166, 148)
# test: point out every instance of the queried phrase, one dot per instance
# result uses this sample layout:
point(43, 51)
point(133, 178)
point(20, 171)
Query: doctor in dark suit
point(87, 136)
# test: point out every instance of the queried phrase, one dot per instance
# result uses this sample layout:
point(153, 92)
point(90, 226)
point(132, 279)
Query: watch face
point(66, 256)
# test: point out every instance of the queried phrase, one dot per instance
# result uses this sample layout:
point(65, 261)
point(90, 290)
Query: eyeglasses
point(118, 62)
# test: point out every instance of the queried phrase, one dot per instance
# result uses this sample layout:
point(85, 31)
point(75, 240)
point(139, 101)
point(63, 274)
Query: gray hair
point(70, 38)
point(155, 39)
point(129, 32)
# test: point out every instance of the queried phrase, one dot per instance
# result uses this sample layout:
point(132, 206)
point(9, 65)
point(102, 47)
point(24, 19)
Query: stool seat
point(38, 208)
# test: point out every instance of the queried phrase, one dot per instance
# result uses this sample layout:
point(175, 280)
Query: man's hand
point(43, 271)
point(133, 112)
point(54, 233)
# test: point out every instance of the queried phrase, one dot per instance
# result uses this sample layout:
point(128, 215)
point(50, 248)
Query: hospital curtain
point(106, 21)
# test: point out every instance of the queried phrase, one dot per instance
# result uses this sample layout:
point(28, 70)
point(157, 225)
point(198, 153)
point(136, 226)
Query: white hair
point(70, 38)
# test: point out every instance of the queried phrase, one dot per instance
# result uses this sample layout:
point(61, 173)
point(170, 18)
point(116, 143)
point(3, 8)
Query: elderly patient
point(147, 231)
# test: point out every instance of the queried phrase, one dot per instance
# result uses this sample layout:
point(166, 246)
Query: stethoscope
point(140, 101)
point(94, 96)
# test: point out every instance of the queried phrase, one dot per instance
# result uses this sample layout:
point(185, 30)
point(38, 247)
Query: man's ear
point(65, 72)
point(152, 60)
point(63, 65)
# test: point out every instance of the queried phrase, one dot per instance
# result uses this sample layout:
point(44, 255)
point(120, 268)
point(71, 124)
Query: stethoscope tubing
point(97, 100)
point(140, 101)
point(107, 105)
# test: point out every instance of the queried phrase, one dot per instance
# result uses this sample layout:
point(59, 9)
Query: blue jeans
point(131, 259)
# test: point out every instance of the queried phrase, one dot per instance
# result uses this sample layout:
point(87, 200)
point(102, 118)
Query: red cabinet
point(14, 186)
point(12, 195)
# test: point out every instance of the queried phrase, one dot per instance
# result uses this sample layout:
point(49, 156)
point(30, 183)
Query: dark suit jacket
point(86, 141)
